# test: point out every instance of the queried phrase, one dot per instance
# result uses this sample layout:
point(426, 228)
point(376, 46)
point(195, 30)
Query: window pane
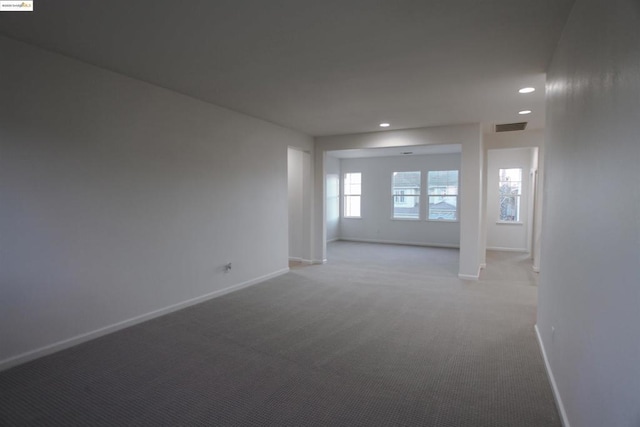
point(333, 197)
point(352, 191)
point(352, 206)
point(406, 207)
point(405, 189)
point(443, 208)
point(353, 183)
point(509, 208)
point(510, 189)
point(407, 180)
point(443, 195)
point(443, 182)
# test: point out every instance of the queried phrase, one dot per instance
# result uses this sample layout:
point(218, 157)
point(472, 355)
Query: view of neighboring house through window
point(352, 194)
point(510, 184)
point(406, 195)
point(443, 195)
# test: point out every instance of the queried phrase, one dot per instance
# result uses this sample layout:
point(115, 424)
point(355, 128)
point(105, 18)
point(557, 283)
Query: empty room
point(325, 213)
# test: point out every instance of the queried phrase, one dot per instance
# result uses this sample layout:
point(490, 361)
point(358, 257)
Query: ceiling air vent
point(508, 127)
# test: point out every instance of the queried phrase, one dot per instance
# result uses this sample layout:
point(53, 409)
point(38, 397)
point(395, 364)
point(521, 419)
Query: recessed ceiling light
point(384, 125)
point(524, 112)
point(527, 90)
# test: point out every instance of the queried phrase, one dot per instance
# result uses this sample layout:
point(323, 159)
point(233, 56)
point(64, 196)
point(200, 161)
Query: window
point(352, 193)
point(333, 197)
point(443, 195)
point(510, 185)
point(406, 195)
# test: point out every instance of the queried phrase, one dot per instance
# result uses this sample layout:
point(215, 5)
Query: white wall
point(119, 198)
point(376, 223)
point(589, 288)
point(471, 177)
point(332, 168)
point(501, 235)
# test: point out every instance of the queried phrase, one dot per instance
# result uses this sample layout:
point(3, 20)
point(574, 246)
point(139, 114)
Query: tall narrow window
point(406, 195)
point(510, 190)
point(443, 195)
point(333, 197)
point(352, 194)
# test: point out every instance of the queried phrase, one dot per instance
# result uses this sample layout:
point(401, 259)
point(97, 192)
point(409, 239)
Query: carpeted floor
point(382, 335)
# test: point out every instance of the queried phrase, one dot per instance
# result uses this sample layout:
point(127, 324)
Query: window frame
point(403, 196)
point(517, 197)
point(456, 195)
point(348, 194)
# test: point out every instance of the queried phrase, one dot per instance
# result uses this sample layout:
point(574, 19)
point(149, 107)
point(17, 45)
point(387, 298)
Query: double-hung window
point(405, 191)
point(443, 195)
point(352, 191)
point(510, 190)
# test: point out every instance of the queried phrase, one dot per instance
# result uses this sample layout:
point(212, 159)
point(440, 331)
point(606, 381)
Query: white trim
point(319, 261)
point(471, 276)
point(397, 242)
point(301, 260)
point(335, 239)
point(87, 336)
point(483, 266)
point(535, 268)
point(552, 380)
point(497, 248)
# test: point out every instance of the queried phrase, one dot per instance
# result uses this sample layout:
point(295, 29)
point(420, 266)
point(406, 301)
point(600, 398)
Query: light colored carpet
point(381, 335)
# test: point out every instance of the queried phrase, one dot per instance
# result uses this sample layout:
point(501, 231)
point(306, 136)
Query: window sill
point(509, 223)
point(405, 219)
point(351, 217)
point(450, 221)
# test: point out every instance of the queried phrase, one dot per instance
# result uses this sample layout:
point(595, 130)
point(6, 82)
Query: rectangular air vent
point(508, 127)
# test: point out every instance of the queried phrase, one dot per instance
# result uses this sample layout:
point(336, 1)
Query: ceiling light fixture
point(524, 112)
point(384, 125)
point(527, 90)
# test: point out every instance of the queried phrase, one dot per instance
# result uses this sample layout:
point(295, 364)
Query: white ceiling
point(323, 67)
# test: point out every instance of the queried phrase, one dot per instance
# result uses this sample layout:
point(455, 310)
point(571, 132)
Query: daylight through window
point(443, 195)
point(406, 195)
point(352, 194)
point(510, 184)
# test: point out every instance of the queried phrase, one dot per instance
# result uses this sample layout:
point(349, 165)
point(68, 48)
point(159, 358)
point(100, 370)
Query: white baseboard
point(483, 266)
point(78, 339)
point(302, 260)
point(475, 277)
point(335, 239)
point(535, 268)
point(319, 261)
point(552, 380)
point(497, 248)
point(399, 242)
